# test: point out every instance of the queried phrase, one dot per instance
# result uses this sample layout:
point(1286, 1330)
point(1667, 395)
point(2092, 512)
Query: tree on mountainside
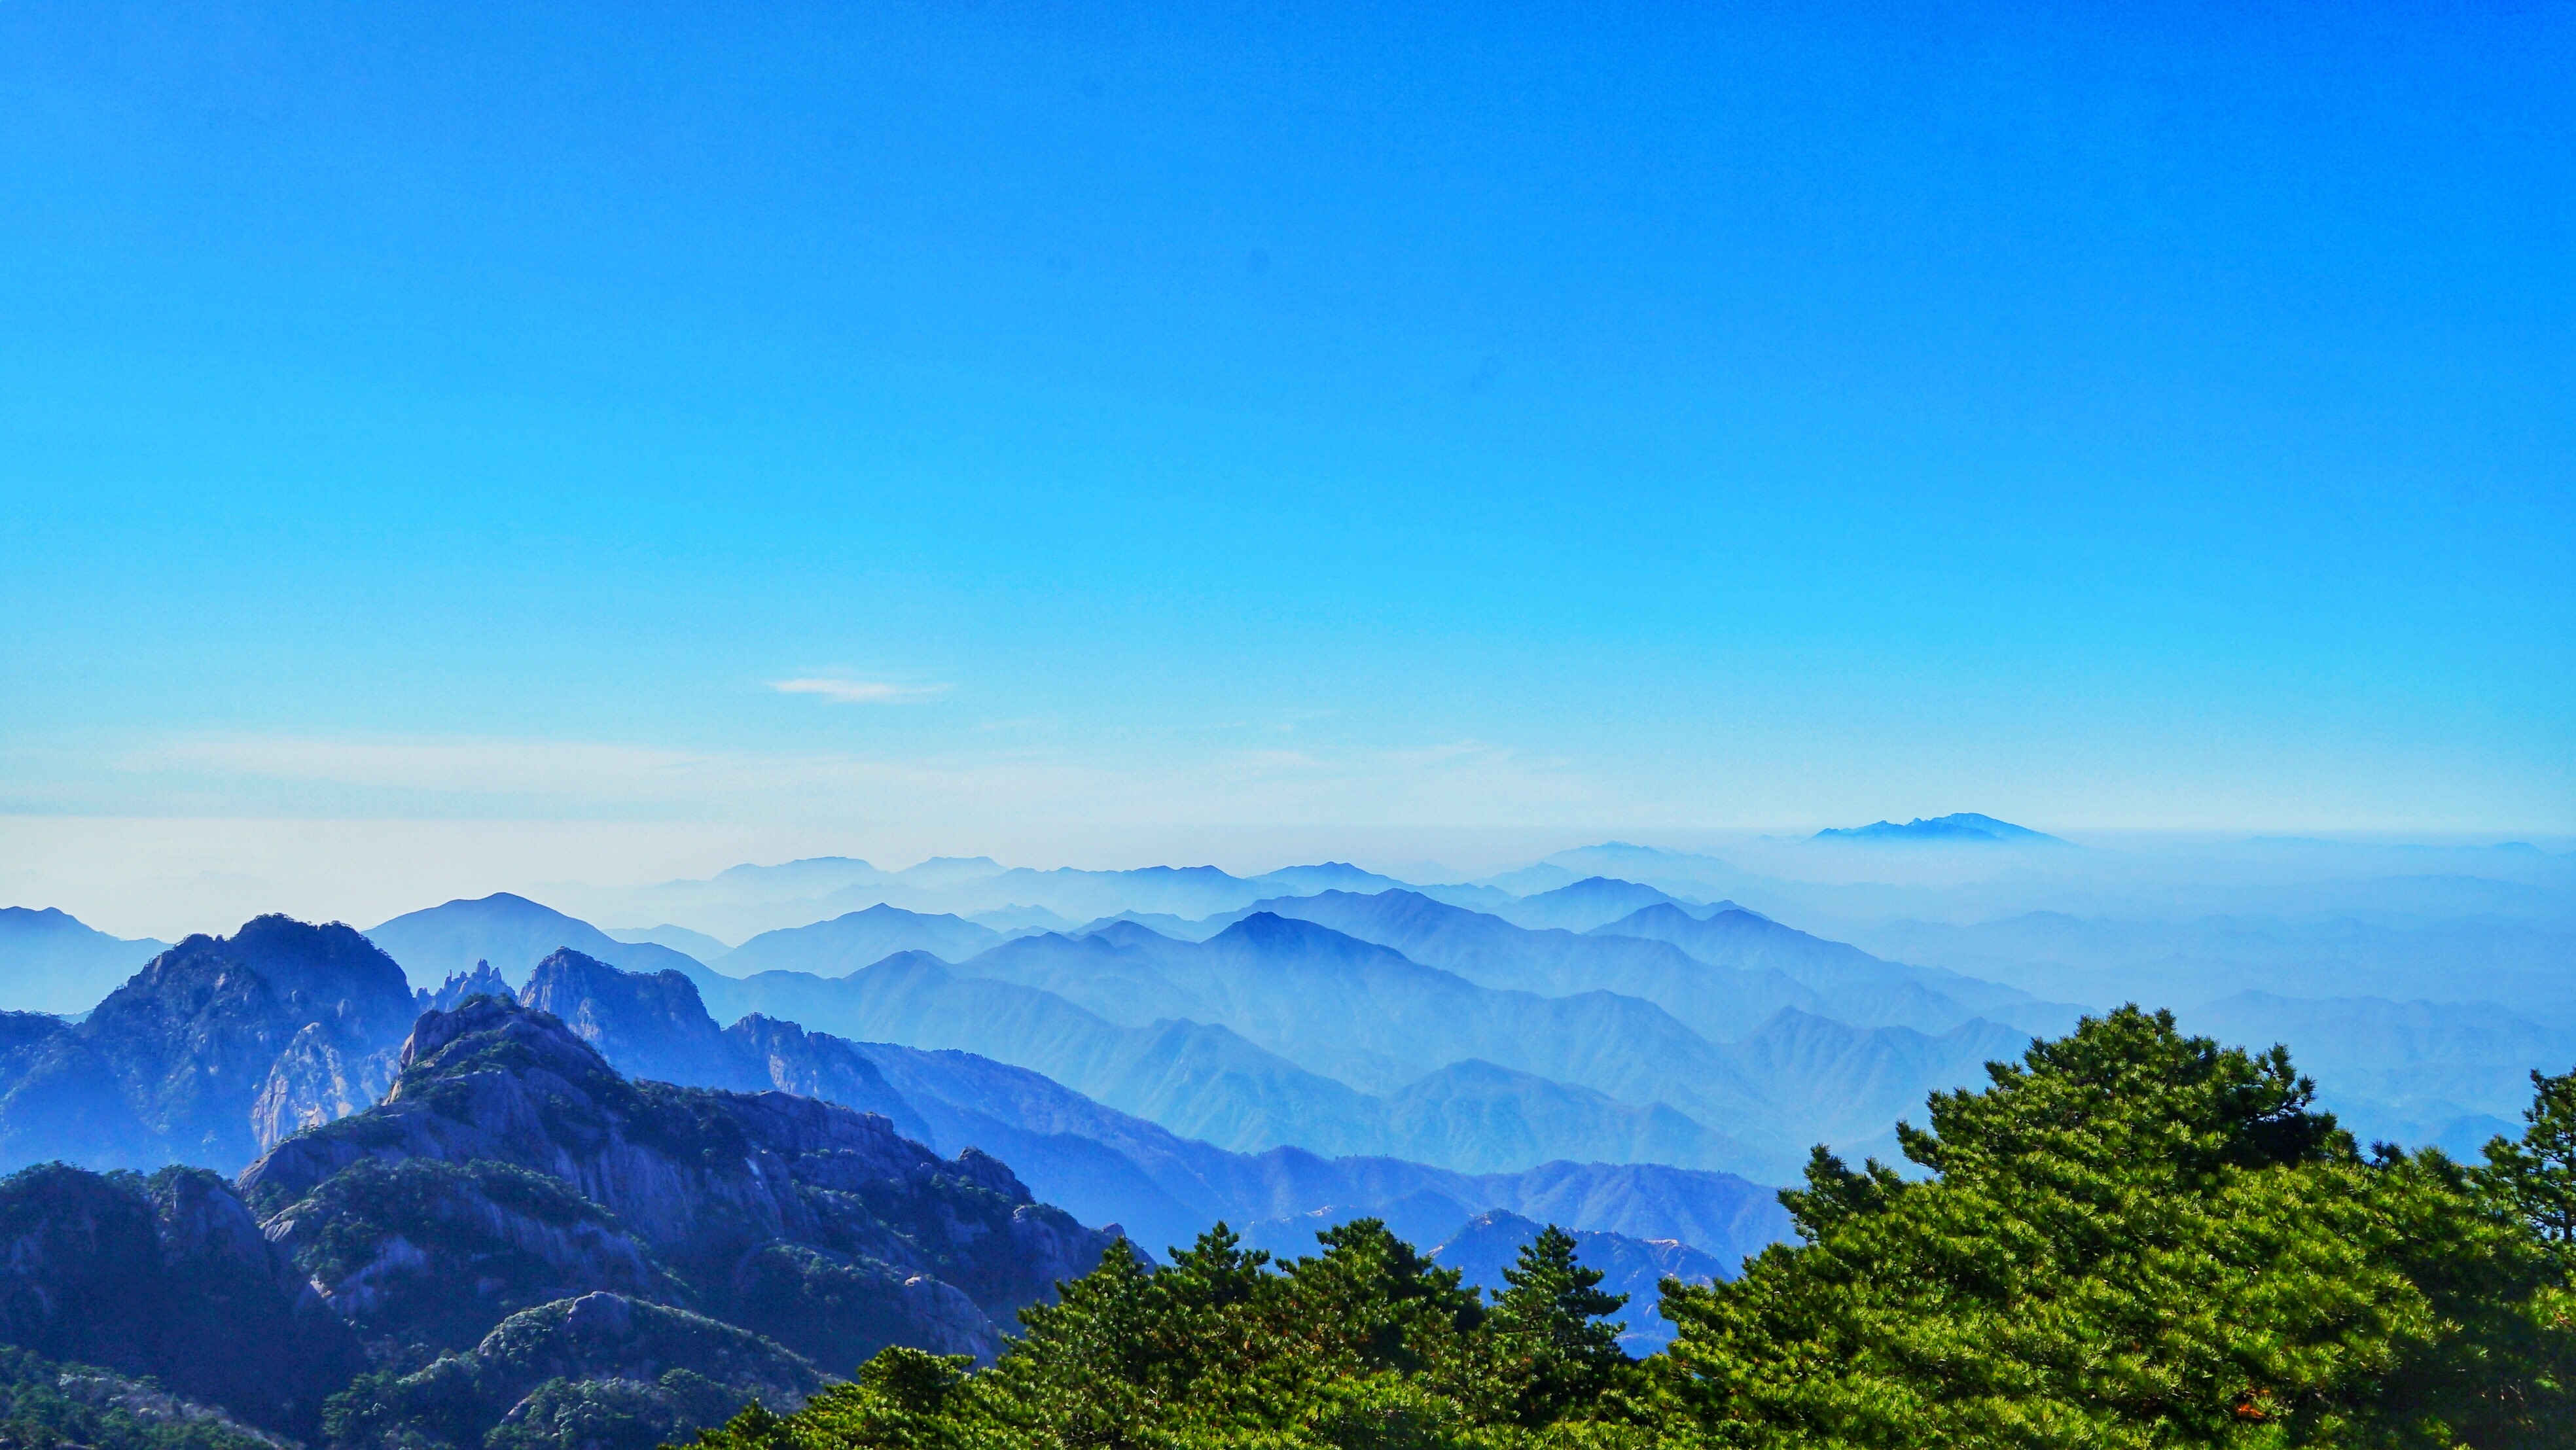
point(2134, 1238)
point(1554, 1348)
point(2538, 1174)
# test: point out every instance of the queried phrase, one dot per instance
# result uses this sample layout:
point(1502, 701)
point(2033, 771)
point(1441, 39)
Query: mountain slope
point(859, 939)
point(599, 1369)
point(1719, 1002)
point(1371, 1017)
point(54, 963)
point(680, 939)
point(1582, 905)
point(1860, 1081)
point(1851, 985)
point(1200, 1080)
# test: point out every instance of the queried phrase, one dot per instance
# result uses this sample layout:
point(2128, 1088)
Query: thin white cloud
point(1457, 783)
point(858, 692)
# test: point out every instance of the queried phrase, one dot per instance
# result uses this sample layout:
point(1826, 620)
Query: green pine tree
point(2538, 1174)
point(1556, 1352)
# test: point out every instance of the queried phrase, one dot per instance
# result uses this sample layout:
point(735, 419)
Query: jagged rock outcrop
point(650, 1023)
point(209, 1051)
point(169, 1277)
point(818, 1225)
point(483, 981)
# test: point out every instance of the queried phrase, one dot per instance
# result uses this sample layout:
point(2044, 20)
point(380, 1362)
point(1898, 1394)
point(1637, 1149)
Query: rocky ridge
point(510, 1153)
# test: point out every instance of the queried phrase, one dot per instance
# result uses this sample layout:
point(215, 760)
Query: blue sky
point(1214, 429)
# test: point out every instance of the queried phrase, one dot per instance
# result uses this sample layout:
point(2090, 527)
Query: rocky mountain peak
point(510, 1154)
point(212, 1050)
point(501, 1030)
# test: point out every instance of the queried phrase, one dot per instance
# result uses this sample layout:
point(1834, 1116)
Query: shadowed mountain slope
point(1583, 905)
point(168, 1277)
point(1720, 1003)
point(858, 939)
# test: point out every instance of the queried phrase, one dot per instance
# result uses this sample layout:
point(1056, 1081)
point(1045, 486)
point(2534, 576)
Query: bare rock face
point(650, 1023)
point(528, 1165)
point(210, 1051)
point(480, 982)
point(315, 1080)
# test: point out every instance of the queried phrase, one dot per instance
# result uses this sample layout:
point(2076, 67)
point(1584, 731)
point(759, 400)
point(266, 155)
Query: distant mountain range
point(520, 1165)
point(224, 1047)
point(748, 900)
point(1960, 827)
point(513, 934)
point(1592, 1017)
point(1105, 1165)
point(1278, 1030)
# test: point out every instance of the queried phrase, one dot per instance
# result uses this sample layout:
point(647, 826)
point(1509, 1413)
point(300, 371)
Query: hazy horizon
point(312, 871)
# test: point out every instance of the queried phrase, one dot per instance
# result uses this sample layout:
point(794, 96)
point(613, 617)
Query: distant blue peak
point(1959, 826)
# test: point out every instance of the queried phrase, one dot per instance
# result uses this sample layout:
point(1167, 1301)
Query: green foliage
point(1366, 1343)
point(611, 1414)
point(2134, 1239)
point(2538, 1174)
point(1555, 1350)
point(2131, 1238)
point(49, 1406)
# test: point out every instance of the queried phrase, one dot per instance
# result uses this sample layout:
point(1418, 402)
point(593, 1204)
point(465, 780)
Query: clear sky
point(642, 436)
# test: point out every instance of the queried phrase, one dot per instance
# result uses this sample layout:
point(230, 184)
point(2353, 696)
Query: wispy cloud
point(858, 692)
point(1454, 783)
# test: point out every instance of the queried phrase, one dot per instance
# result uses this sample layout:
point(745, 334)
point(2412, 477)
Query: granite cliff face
point(655, 1025)
point(509, 1156)
point(213, 1051)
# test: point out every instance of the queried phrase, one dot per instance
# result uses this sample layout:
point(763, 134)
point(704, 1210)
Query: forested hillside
point(2133, 1238)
